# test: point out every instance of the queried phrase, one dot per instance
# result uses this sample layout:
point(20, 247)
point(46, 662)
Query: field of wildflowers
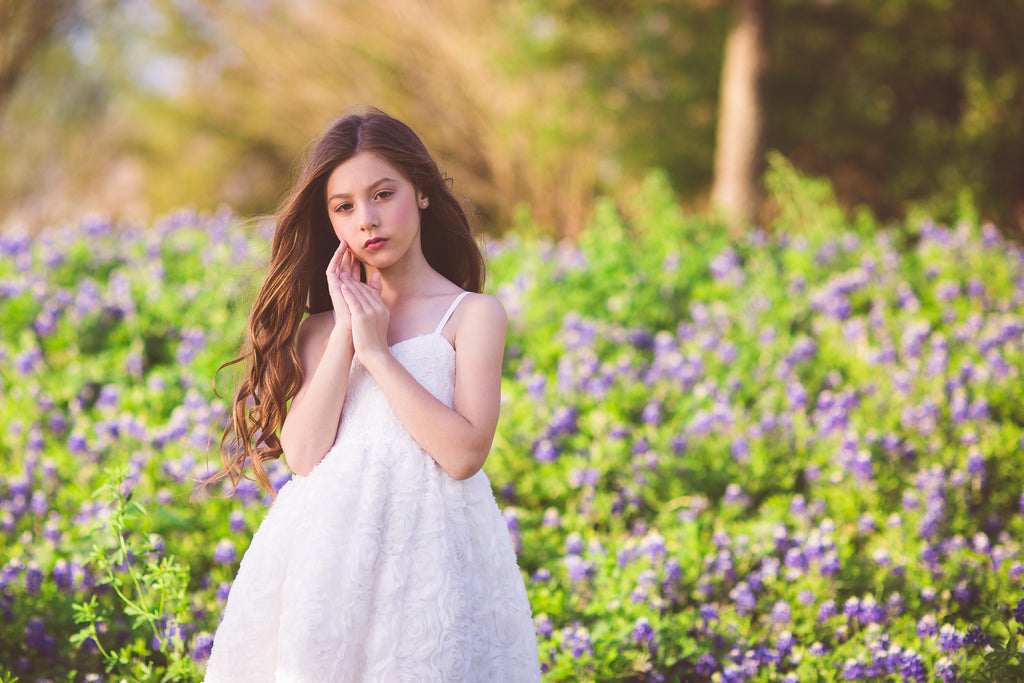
point(790, 458)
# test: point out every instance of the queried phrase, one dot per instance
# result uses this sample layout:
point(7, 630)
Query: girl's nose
point(368, 217)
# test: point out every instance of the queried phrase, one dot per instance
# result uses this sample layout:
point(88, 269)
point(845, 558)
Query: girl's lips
point(375, 243)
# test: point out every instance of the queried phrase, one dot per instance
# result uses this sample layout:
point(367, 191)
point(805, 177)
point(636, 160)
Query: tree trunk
point(740, 112)
point(25, 27)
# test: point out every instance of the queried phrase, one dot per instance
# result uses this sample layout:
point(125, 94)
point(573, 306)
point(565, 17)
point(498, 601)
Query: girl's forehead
point(361, 172)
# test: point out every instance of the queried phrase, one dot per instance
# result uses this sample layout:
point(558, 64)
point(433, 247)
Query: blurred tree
point(25, 28)
point(738, 143)
point(128, 104)
point(904, 103)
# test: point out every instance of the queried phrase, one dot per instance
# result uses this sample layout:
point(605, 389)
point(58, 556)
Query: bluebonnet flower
point(912, 668)
point(170, 631)
point(536, 385)
point(157, 545)
point(740, 449)
point(826, 610)
point(734, 495)
point(798, 505)
point(1018, 615)
point(62, 575)
point(853, 670)
point(743, 597)
point(673, 570)
point(781, 612)
point(895, 604)
point(975, 636)
point(706, 664)
point(542, 575)
point(643, 632)
point(927, 626)
point(543, 626)
point(545, 451)
point(946, 670)
point(37, 639)
point(574, 543)
point(578, 568)
point(578, 641)
point(224, 552)
point(202, 646)
point(652, 413)
point(563, 422)
point(829, 565)
point(870, 611)
point(33, 578)
point(950, 640)
point(223, 589)
point(236, 521)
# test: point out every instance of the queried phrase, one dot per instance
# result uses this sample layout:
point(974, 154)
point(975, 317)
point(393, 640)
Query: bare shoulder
point(483, 305)
point(482, 319)
point(315, 328)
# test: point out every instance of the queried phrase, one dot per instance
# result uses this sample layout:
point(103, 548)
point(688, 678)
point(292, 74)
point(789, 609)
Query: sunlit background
point(136, 107)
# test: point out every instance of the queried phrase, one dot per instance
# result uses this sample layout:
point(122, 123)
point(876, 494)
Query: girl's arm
point(458, 438)
point(325, 353)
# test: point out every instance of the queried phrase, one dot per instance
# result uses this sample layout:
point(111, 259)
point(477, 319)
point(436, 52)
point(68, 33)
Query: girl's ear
point(424, 201)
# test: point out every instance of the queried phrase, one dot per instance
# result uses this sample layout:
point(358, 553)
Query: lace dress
point(378, 566)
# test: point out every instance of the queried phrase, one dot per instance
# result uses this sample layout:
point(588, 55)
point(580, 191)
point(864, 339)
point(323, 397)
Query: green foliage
point(153, 597)
point(704, 447)
point(904, 104)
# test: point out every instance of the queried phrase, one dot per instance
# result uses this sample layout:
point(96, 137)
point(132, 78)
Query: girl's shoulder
point(478, 303)
point(315, 326)
point(479, 317)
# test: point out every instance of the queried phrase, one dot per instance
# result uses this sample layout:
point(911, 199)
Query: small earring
point(424, 202)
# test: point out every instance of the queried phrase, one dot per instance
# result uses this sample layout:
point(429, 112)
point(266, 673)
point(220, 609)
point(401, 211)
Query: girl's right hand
point(343, 265)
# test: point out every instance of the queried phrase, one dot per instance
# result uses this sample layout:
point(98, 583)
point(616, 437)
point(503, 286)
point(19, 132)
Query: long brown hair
point(296, 283)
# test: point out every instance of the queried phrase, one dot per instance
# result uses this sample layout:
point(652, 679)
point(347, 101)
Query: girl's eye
point(384, 194)
point(341, 208)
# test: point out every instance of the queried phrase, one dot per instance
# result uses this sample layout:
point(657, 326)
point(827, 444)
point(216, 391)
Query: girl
point(385, 557)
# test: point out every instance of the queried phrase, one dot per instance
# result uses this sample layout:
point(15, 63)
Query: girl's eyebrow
point(370, 188)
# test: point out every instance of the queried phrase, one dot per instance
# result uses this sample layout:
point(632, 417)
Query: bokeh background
point(761, 399)
point(137, 107)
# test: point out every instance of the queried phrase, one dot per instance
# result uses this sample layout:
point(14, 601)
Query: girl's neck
point(405, 280)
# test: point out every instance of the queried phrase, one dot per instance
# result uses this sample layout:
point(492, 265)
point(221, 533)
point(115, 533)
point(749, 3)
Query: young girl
point(385, 557)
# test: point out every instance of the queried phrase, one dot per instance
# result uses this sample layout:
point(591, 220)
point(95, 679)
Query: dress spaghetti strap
point(448, 313)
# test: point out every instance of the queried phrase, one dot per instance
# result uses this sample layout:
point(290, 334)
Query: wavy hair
point(303, 244)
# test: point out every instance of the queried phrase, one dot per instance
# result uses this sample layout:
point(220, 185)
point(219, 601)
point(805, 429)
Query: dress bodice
point(367, 415)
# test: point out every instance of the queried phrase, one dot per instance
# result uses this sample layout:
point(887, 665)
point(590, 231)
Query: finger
point(355, 304)
point(345, 266)
point(375, 281)
point(354, 267)
point(359, 292)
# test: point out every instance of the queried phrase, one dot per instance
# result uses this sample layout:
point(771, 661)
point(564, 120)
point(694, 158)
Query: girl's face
point(375, 210)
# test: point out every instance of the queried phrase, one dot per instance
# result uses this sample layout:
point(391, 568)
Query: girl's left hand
point(369, 315)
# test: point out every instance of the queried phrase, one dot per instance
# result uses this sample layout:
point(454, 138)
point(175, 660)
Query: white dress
point(378, 566)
